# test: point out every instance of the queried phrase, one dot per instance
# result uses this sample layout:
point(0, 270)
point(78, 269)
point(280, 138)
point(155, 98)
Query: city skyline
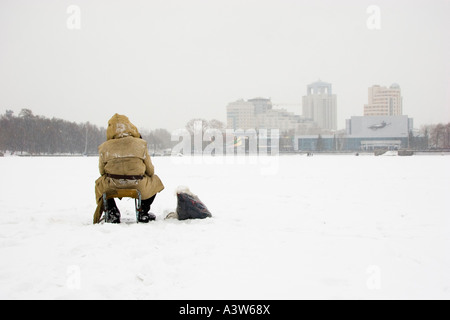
point(319, 110)
point(163, 63)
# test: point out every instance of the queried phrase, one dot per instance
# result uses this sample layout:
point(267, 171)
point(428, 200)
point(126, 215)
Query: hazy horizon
point(163, 63)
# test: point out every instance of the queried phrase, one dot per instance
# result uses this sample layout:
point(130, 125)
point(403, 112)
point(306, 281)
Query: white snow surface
point(288, 227)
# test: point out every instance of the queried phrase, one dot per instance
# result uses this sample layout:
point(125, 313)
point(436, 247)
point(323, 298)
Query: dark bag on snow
point(190, 207)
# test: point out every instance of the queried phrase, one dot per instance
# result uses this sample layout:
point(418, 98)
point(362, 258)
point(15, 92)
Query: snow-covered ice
point(288, 227)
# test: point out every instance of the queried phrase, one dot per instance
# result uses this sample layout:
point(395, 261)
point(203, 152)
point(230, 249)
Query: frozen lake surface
point(288, 227)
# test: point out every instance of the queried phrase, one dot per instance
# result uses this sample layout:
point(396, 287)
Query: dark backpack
point(190, 207)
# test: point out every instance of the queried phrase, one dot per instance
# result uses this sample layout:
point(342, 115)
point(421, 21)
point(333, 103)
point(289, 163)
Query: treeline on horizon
point(27, 133)
point(33, 134)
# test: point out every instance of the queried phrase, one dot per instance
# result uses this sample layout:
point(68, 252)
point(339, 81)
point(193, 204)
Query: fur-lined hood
point(119, 126)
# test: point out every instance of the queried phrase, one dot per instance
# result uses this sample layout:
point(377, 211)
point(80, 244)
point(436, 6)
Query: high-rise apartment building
point(320, 105)
point(384, 101)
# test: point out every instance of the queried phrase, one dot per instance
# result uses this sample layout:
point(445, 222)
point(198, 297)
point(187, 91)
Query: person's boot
point(113, 214)
point(145, 217)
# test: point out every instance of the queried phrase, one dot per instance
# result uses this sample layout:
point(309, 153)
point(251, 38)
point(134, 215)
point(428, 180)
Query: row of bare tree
point(31, 134)
point(438, 135)
point(39, 135)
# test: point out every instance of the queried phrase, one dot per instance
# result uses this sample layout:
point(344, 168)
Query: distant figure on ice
point(124, 163)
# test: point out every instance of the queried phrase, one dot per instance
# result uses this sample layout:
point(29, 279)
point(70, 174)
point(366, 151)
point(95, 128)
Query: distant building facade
point(384, 101)
point(320, 105)
point(364, 133)
point(378, 132)
point(241, 115)
point(258, 113)
point(262, 105)
point(278, 119)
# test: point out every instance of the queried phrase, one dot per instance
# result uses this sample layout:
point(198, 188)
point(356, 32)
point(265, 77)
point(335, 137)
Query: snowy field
point(289, 227)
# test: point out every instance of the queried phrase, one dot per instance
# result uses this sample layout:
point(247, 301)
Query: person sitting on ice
point(124, 163)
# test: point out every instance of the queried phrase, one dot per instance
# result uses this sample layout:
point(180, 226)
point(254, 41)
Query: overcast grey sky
point(165, 62)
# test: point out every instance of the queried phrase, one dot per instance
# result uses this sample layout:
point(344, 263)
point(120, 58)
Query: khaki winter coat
point(124, 154)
